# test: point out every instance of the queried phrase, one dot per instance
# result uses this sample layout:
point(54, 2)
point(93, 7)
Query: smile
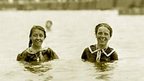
point(102, 39)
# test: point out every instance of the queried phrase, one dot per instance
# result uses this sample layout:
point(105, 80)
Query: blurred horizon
point(70, 4)
point(130, 7)
point(72, 31)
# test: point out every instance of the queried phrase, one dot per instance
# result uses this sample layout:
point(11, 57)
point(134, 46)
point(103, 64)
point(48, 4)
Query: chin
point(39, 45)
point(103, 44)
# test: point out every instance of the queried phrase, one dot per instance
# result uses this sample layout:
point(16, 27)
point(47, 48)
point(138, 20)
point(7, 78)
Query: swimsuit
point(93, 54)
point(40, 56)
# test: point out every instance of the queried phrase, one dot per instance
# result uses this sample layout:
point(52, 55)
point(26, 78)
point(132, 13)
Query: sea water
point(71, 32)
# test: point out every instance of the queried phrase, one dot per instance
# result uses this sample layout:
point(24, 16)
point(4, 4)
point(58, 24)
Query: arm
point(21, 56)
point(114, 56)
point(53, 55)
point(84, 55)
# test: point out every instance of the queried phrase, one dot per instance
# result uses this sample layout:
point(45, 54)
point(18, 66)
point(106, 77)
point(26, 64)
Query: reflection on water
point(101, 67)
point(104, 70)
point(72, 31)
point(37, 68)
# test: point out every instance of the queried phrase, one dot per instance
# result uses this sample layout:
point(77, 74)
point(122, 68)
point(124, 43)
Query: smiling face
point(103, 35)
point(37, 37)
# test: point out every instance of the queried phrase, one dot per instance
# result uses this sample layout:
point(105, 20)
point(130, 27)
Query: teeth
point(102, 39)
point(38, 41)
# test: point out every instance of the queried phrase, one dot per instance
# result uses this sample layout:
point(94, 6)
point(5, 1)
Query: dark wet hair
point(31, 31)
point(105, 25)
point(49, 21)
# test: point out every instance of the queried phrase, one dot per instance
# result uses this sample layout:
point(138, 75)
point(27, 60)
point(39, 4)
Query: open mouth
point(38, 41)
point(102, 39)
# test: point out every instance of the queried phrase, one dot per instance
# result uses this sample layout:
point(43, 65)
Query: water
point(72, 31)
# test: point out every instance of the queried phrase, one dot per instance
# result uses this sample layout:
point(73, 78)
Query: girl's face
point(37, 37)
point(48, 24)
point(103, 35)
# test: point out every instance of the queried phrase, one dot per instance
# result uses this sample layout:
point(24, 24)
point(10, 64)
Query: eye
point(105, 33)
point(35, 35)
point(41, 35)
point(99, 33)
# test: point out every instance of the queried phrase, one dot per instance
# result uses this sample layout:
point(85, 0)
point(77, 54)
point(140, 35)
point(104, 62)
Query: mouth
point(38, 41)
point(102, 39)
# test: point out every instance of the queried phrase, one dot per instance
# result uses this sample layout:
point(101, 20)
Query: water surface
point(72, 31)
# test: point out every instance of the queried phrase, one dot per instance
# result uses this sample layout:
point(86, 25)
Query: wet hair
point(104, 25)
point(31, 31)
point(49, 21)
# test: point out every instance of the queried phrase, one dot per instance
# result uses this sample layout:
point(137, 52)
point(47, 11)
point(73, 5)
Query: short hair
point(105, 25)
point(49, 21)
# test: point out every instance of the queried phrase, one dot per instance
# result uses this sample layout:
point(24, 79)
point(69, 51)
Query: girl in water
point(100, 52)
point(35, 53)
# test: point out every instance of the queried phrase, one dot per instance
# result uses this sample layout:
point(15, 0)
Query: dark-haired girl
point(35, 52)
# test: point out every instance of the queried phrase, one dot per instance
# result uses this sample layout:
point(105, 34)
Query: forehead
point(37, 31)
point(103, 29)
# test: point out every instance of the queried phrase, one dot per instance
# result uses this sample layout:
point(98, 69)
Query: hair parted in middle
point(105, 25)
point(31, 31)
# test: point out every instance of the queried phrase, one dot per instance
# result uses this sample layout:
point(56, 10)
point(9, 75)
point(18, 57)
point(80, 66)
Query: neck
point(36, 48)
point(101, 46)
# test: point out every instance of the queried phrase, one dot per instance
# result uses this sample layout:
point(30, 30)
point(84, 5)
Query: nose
point(102, 35)
point(38, 37)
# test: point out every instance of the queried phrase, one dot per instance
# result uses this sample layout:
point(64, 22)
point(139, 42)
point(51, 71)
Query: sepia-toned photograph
point(71, 40)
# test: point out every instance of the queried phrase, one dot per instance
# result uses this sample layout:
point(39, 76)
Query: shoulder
point(24, 52)
point(93, 47)
point(90, 49)
point(86, 50)
point(22, 55)
point(48, 49)
point(110, 49)
point(113, 52)
point(51, 53)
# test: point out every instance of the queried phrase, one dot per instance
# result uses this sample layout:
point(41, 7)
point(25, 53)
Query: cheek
point(108, 37)
point(98, 36)
point(42, 39)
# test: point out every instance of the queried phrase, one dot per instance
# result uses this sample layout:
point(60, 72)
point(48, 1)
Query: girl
point(100, 52)
point(35, 52)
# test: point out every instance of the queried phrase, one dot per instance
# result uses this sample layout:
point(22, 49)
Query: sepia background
point(73, 27)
